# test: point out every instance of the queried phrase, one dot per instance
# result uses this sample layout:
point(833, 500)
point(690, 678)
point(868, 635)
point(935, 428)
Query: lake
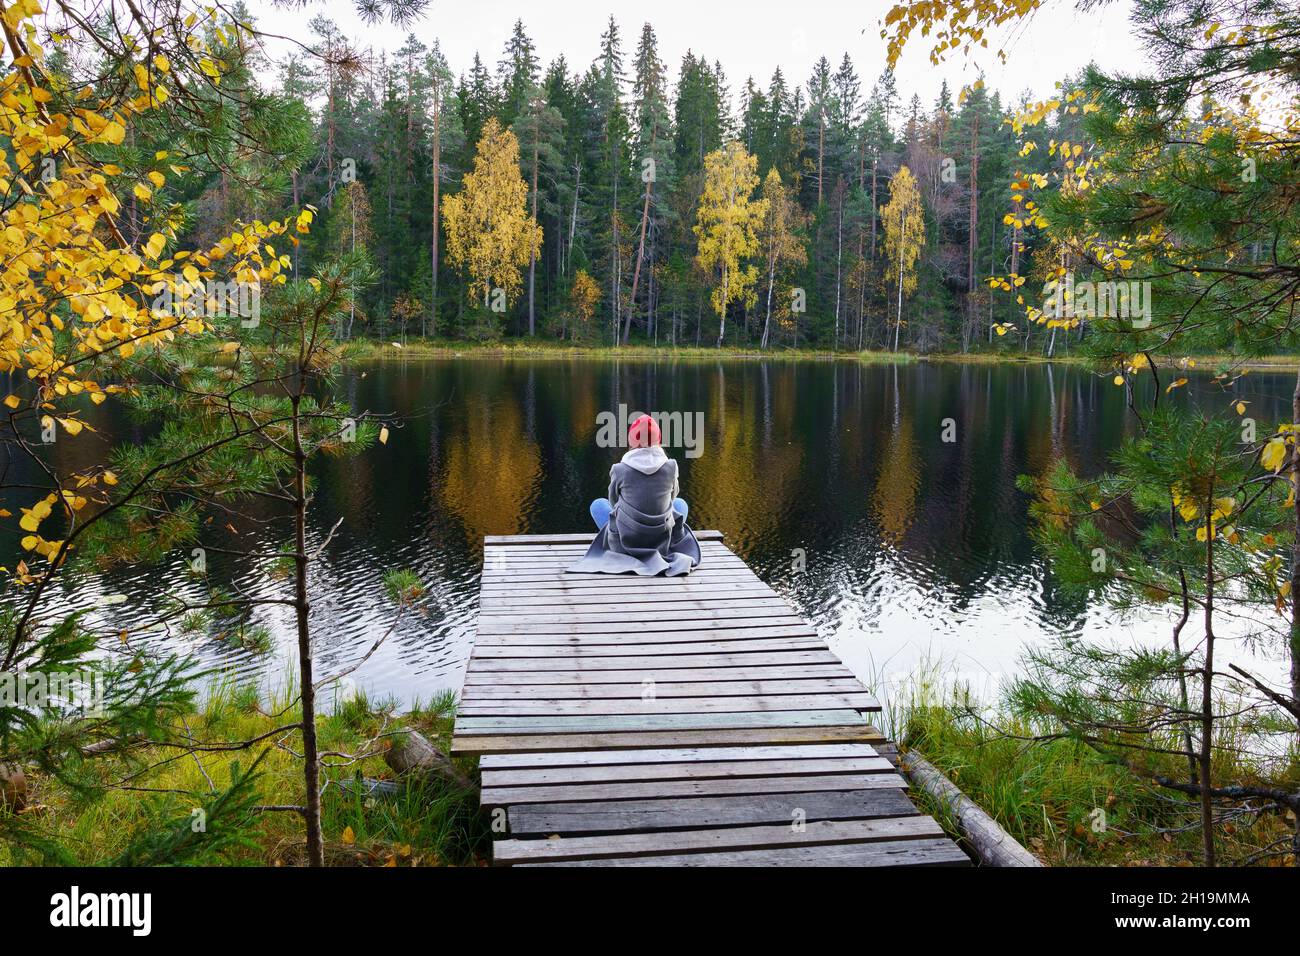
point(832, 478)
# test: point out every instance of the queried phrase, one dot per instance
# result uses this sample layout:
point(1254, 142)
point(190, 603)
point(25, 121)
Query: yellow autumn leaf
point(1273, 455)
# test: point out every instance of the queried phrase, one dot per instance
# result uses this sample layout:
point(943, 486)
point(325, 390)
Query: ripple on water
point(915, 549)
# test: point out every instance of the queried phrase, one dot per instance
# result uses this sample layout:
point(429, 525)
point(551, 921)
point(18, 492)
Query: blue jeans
point(600, 509)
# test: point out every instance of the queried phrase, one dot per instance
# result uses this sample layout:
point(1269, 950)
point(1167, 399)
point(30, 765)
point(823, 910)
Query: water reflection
point(915, 547)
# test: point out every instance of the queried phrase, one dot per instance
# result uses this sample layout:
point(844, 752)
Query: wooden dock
point(696, 721)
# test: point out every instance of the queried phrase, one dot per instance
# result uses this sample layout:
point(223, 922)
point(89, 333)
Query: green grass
point(1053, 796)
point(392, 350)
point(372, 350)
point(424, 825)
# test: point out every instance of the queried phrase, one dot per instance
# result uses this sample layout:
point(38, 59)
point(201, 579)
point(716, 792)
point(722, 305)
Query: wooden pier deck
point(697, 721)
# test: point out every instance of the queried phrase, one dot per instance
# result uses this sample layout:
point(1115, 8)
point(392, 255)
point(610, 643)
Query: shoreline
point(366, 350)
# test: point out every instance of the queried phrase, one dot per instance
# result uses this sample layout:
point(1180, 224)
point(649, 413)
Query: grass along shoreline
point(426, 823)
point(1045, 794)
point(1062, 800)
point(373, 350)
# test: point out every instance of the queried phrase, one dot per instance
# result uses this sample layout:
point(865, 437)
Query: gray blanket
point(644, 534)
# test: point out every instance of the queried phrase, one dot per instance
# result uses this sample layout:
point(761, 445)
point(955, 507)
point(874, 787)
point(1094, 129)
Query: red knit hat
point(644, 433)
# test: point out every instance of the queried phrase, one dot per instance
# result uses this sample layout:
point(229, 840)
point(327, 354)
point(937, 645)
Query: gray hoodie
point(644, 534)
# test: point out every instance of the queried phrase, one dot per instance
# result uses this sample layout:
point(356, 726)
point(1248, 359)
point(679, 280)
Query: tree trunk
point(412, 753)
point(839, 264)
point(771, 280)
point(1207, 700)
point(640, 254)
point(13, 788)
point(1295, 558)
point(437, 177)
point(573, 220)
point(297, 201)
point(898, 324)
point(722, 317)
point(821, 152)
point(993, 845)
point(306, 675)
point(532, 254)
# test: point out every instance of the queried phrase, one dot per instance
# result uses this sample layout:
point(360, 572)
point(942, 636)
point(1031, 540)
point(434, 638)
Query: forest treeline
point(613, 166)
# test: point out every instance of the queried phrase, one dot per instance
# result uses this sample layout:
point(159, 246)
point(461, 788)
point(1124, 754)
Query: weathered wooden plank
point(479, 745)
point(792, 753)
point(640, 675)
point(608, 614)
point(525, 603)
point(684, 649)
point(502, 564)
point(532, 540)
point(709, 553)
point(613, 609)
point(682, 770)
point(579, 547)
point(752, 722)
point(606, 792)
point(647, 637)
point(564, 580)
point(713, 811)
point(700, 580)
point(654, 662)
point(626, 590)
point(566, 551)
point(476, 707)
point(817, 832)
point(909, 853)
point(597, 724)
point(480, 693)
point(501, 625)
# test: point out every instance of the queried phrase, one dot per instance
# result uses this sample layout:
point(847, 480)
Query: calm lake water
point(916, 549)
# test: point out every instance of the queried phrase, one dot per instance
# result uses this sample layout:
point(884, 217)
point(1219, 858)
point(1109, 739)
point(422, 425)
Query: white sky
point(749, 38)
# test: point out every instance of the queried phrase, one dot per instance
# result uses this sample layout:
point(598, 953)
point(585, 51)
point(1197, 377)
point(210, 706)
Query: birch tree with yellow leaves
point(782, 245)
point(490, 235)
point(727, 228)
point(904, 222)
point(85, 313)
point(1182, 187)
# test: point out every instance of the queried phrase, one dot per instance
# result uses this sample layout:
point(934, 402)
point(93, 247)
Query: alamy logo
point(1068, 299)
point(72, 909)
point(33, 691)
point(677, 429)
point(213, 300)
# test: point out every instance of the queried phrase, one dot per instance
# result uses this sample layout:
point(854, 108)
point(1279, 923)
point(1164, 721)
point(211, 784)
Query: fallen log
point(412, 755)
point(13, 788)
point(993, 845)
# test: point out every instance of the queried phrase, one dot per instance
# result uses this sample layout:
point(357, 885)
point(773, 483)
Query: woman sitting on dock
point(642, 523)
